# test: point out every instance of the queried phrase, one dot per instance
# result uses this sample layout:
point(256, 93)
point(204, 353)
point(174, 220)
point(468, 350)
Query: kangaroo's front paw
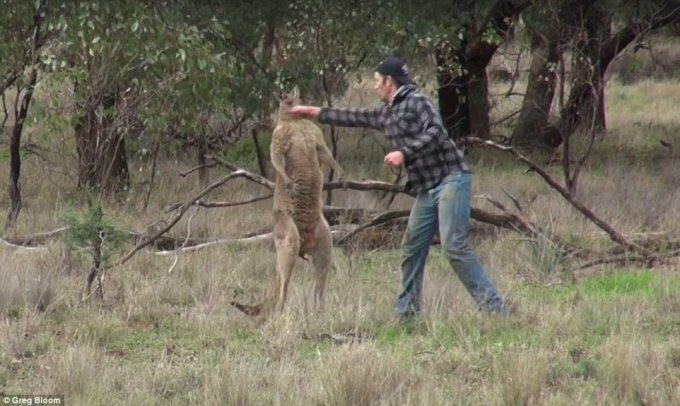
point(342, 178)
point(289, 185)
point(340, 174)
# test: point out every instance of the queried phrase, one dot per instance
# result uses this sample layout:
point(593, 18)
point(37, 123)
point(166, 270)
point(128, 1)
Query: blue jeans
point(445, 207)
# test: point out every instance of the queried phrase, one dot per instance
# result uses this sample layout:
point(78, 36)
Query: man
point(437, 173)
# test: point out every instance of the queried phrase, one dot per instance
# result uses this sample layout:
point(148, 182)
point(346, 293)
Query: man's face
point(384, 87)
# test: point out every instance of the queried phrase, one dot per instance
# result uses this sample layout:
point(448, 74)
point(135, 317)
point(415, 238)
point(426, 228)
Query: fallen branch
point(19, 246)
point(244, 173)
point(210, 205)
point(33, 240)
point(180, 212)
point(524, 226)
point(498, 220)
point(259, 238)
point(613, 234)
point(382, 219)
point(184, 243)
point(244, 240)
point(625, 259)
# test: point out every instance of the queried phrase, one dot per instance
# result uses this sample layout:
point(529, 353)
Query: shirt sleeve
point(431, 132)
point(353, 117)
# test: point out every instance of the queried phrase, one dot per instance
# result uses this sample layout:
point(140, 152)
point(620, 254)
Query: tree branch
point(181, 211)
point(613, 234)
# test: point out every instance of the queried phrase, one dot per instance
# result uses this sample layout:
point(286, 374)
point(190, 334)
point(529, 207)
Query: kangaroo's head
point(288, 100)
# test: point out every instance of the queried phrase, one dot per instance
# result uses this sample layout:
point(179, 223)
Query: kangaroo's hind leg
point(321, 252)
point(287, 245)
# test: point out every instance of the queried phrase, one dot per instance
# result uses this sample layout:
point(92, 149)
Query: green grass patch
point(390, 336)
point(554, 293)
point(629, 284)
point(604, 287)
point(585, 369)
point(312, 349)
point(134, 344)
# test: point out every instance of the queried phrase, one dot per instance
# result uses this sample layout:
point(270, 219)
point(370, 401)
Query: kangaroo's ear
point(296, 92)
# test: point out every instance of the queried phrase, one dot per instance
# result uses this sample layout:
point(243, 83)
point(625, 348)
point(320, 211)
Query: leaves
point(91, 231)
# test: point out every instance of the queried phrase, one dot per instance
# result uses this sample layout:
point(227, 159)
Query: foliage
point(244, 152)
point(91, 231)
point(145, 51)
point(15, 21)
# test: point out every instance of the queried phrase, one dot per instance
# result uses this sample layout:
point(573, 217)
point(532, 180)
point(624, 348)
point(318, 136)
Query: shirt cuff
point(408, 154)
point(323, 112)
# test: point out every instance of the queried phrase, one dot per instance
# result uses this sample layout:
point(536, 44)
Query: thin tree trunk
point(201, 152)
point(154, 158)
point(260, 155)
point(21, 113)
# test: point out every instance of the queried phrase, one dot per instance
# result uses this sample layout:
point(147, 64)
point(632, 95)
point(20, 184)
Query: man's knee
point(456, 250)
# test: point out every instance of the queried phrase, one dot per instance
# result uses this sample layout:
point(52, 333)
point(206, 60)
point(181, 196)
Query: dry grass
point(171, 338)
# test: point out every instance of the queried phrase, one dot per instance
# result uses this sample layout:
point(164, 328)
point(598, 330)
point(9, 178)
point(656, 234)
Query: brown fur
point(297, 152)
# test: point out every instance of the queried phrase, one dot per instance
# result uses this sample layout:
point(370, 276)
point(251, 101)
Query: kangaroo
point(297, 152)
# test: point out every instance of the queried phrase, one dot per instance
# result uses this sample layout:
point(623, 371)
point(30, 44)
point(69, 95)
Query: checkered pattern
point(414, 127)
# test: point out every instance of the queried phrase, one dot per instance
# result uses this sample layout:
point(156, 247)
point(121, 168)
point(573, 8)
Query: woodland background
point(135, 138)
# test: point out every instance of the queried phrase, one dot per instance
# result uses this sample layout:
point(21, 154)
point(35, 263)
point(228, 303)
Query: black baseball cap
point(396, 68)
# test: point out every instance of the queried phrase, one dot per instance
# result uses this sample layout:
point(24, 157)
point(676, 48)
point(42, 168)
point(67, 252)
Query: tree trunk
point(102, 162)
point(586, 104)
point(14, 187)
point(478, 102)
point(463, 97)
point(533, 130)
point(14, 174)
point(201, 152)
point(452, 93)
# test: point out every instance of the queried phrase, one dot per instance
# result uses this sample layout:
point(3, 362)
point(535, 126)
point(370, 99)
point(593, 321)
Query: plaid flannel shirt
point(414, 127)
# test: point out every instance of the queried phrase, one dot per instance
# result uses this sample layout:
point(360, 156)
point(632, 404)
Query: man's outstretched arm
point(342, 117)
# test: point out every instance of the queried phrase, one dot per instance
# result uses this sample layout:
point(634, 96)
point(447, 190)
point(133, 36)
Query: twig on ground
point(184, 243)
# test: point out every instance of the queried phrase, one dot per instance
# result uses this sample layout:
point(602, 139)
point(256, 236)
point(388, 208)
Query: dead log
point(33, 240)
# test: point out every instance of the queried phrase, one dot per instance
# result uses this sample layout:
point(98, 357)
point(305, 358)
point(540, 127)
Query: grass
point(608, 335)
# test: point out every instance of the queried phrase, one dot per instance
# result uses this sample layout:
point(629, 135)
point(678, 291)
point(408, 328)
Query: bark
point(102, 161)
point(452, 94)
point(9, 80)
point(461, 73)
point(533, 129)
point(478, 101)
point(261, 162)
point(201, 152)
point(14, 187)
point(586, 103)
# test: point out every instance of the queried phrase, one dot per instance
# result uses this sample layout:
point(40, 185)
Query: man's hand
point(304, 111)
point(394, 158)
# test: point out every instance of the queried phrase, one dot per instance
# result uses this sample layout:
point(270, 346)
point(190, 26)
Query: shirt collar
point(400, 93)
